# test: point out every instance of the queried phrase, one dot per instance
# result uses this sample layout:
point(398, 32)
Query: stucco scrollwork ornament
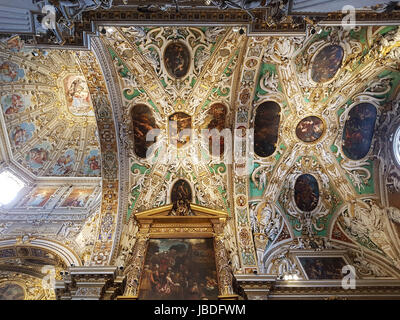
point(134, 264)
point(224, 270)
point(388, 150)
point(283, 264)
point(313, 243)
point(127, 242)
point(231, 246)
point(308, 222)
point(364, 267)
point(365, 219)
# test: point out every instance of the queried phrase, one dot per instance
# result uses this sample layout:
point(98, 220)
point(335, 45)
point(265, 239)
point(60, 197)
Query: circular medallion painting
point(310, 129)
point(327, 63)
point(11, 291)
point(177, 59)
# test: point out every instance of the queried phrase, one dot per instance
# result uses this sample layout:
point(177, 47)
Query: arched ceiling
point(315, 79)
point(297, 93)
point(47, 112)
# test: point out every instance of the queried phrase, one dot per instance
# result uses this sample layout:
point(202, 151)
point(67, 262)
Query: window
point(10, 185)
point(396, 146)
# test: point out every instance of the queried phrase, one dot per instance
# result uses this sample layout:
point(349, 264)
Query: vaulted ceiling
point(47, 111)
point(318, 173)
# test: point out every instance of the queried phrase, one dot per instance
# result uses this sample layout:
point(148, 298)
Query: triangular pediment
point(164, 213)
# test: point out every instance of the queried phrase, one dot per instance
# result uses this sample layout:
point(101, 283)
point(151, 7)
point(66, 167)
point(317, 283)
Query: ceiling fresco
point(303, 164)
point(313, 150)
point(178, 91)
point(48, 112)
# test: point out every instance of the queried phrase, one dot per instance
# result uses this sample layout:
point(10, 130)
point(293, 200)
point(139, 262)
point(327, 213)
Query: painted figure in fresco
point(217, 120)
point(176, 58)
point(310, 129)
point(39, 199)
point(181, 196)
point(359, 130)
point(38, 156)
point(79, 202)
point(78, 97)
point(94, 163)
point(19, 136)
point(16, 105)
point(177, 123)
point(266, 128)
point(9, 72)
point(306, 192)
point(326, 63)
point(323, 268)
point(64, 164)
point(143, 122)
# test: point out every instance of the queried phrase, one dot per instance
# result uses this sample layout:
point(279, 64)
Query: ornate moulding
point(69, 257)
point(158, 224)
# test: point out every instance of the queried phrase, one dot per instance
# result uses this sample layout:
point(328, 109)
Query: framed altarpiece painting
point(179, 257)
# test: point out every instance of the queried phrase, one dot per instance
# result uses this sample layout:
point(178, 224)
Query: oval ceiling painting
point(266, 128)
point(177, 59)
point(306, 192)
point(327, 63)
point(359, 130)
point(181, 190)
point(310, 129)
point(143, 121)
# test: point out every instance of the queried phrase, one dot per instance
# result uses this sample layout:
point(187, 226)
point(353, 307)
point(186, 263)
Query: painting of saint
point(40, 197)
point(326, 63)
point(10, 72)
point(65, 163)
point(310, 129)
point(92, 163)
point(14, 103)
point(323, 268)
point(11, 291)
point(266, 128)
point(143, 122)
point(216, 119)
point(179, 269)
point(38, 155)
point(180, 125)
point(359, 131)
point(181, 191)
point(77, 198)
point(306, 192)
point(22, 133)
point(177, 59)
point(77, 95)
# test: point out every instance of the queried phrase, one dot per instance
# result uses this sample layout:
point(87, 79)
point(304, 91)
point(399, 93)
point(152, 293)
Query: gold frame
point(158, 224)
